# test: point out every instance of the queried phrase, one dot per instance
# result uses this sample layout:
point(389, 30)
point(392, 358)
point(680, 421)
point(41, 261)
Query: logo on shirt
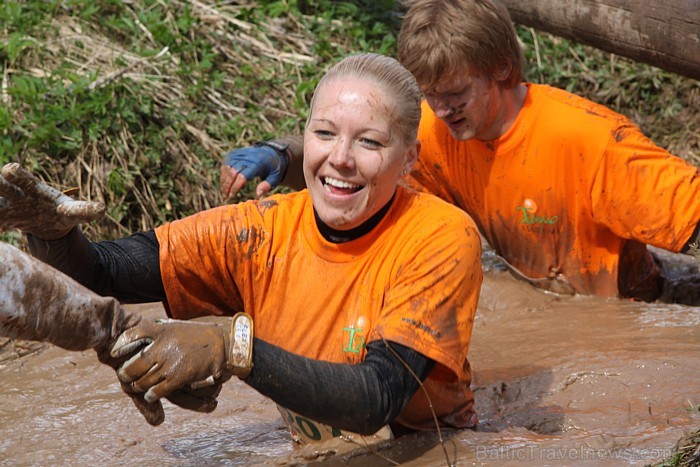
point(532, 221)
point(355, 340)
point(356, 335)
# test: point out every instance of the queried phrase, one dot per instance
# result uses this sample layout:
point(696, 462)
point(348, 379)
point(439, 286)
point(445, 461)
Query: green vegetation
point(135, 102)
point(685, 454)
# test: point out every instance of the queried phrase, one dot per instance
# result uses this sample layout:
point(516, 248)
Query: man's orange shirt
point(572, 188)
point(414, 279)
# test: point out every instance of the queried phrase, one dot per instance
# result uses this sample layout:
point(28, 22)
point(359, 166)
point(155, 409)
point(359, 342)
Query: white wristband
point(240, 358)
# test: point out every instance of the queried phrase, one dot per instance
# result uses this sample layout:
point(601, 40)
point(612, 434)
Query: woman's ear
point(411, 157)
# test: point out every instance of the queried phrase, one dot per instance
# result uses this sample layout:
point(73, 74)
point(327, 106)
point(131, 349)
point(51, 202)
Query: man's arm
point(278, 161)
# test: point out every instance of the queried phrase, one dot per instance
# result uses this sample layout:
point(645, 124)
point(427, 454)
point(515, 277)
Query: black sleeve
point(127, 269)
point(359, 398)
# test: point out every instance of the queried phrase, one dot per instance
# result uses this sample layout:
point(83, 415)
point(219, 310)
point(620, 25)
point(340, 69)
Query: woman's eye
point(371, 143)
point(323, 134)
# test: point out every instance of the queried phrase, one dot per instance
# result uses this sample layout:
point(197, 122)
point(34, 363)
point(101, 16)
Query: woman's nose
point(341, 154)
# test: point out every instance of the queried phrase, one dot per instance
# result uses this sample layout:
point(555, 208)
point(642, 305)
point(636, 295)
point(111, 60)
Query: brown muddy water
point(558, 381)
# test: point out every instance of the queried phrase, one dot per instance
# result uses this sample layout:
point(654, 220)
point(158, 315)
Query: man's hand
point(180, 354)
point(30, 205)
point(265, 160)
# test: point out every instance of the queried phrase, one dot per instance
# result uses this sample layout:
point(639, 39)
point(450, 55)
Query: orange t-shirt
point(572, 188)
point(414, 279)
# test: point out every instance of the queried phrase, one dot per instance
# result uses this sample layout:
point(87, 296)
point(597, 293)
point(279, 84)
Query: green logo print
point(355, 341)
point(531, 219)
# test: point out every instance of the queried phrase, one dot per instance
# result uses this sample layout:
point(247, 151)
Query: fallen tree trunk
point(664, 34)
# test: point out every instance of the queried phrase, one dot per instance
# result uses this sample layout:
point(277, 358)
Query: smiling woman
point(360, 289)
point(356, 145)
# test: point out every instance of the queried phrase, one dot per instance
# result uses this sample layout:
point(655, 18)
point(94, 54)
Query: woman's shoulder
point(275, 204)
point(428, 227)
point(265, 211)
point(423, 208)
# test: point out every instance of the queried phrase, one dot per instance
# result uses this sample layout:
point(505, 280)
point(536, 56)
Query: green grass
point(136, 102)
point(686, 453)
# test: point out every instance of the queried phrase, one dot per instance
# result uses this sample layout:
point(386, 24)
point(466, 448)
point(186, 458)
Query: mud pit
point(558, 381)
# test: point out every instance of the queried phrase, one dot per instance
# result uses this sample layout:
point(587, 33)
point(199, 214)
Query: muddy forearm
point(40, 303)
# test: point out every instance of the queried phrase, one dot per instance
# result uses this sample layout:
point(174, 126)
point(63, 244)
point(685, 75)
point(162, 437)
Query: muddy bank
point(565, 381)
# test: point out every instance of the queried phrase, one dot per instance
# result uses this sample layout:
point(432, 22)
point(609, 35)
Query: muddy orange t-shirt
point(572, 188)
point(414, 279)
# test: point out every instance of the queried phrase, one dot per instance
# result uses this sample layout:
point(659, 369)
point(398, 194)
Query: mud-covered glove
point(268, 160)
point(181, 354)
point(30, 205)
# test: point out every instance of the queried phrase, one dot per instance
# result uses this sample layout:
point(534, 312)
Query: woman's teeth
point(340, 184)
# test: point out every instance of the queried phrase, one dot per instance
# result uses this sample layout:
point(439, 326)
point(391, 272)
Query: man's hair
point(440, 38)
point(392, 77)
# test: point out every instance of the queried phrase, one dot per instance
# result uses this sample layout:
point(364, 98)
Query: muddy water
point(558, 381)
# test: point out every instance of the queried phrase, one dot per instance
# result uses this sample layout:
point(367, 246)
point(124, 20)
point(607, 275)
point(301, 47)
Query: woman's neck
point(341, 236)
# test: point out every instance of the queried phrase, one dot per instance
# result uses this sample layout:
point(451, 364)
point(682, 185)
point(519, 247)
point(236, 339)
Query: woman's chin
point(339, 220)
point(340, 224)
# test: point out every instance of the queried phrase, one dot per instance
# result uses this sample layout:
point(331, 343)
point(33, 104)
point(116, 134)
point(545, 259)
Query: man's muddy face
point(467, 104)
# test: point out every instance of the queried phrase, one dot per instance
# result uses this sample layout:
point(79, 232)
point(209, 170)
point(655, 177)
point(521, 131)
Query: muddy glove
point(30, 205)
point(40, 303)
point(267, 160)
point(181, 354)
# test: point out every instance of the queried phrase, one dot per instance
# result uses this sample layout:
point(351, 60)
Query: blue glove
point(267, 160)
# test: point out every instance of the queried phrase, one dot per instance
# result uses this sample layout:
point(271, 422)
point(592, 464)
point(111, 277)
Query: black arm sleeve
point(359, 398)
point(127, 269)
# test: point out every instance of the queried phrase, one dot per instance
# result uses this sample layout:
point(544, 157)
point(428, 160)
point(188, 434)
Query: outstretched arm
point(360, 398)
point(39, 303)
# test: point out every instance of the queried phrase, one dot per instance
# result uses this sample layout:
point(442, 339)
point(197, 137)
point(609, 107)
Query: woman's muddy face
point(353, 154)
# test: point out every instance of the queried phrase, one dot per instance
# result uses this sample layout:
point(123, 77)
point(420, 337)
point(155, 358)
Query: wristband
point(240, 358)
